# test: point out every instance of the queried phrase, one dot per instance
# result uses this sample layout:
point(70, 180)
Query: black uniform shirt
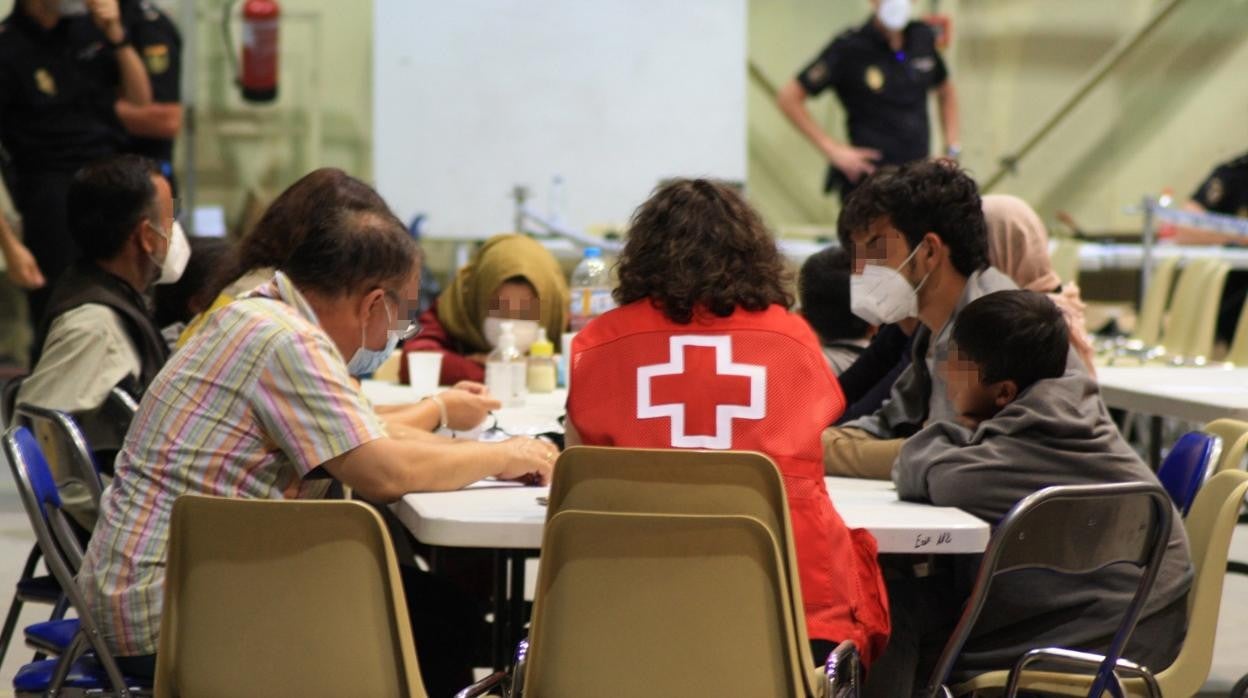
point(160, 46)
point(1226, 189)
point(884, 92)
point(57, 89)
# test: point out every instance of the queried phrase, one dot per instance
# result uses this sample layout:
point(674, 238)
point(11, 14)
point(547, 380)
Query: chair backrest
point(64, 446)
point(56, 539)
point(1190, 462)
point(1205, 313)
point(682, 481)
point(1153, 305)
point(1073, 529)
point(1234, 435)
point(8, 400)
point(1209, 529)
point(1065, 259)
point(283, 598)
point(1238, 352)
point(661, 604)
point(105, 427)
point(1182, 316)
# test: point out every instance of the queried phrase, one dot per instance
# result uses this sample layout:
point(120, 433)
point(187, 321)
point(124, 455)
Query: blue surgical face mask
point(366, 361)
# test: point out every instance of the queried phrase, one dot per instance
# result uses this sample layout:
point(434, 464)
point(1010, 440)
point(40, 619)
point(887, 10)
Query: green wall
point(1163, 118)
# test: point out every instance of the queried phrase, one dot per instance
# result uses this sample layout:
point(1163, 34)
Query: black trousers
point(444, 629)
point(41, 198)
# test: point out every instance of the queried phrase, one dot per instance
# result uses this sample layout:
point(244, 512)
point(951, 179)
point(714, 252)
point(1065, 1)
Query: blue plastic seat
point(51, 636)
point(84, 673)
point(62, 552)
point(1187, 466)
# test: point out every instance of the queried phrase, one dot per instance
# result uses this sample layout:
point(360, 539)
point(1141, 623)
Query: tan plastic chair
point(1065, 259)
point(1204, 312)
point(1234, 435)
point(661, 604)
point(1238, 352)
point(283, 598)
point(1182, 317)
point(388, 371)
point(676, 481)
point(1209, 528)
point(1153, 305)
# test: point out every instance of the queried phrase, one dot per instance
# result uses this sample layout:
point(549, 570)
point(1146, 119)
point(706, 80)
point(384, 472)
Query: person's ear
point(145, 237)
point(368, 300)
point(1004, 392)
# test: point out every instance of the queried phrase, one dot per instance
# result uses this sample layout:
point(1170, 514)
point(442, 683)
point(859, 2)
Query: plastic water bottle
point(591, 289)
point(506, 370)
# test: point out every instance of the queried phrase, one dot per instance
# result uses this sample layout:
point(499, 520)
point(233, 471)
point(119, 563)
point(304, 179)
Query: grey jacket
point(1057, 432)
point(919, 393)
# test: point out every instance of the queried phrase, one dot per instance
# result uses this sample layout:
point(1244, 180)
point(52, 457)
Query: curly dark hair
point(928, 196)
point(697, 245)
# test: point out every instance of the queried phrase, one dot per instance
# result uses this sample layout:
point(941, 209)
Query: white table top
point(538, 415)
point(508, 516)
point(1192, 394)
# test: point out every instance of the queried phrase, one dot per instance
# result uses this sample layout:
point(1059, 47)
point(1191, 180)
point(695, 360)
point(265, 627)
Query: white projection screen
point(473, 97)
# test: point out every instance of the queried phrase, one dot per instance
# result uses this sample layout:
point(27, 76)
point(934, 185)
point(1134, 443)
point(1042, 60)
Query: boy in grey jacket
point(1028, 417)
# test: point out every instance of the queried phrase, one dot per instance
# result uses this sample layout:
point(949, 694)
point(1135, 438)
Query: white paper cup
point(423, 370)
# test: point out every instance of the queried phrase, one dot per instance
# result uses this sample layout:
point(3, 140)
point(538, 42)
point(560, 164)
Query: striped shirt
point(249, 408)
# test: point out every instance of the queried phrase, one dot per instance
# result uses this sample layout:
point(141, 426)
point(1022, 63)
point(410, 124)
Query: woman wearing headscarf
point(1018, 245)
point(511, 278)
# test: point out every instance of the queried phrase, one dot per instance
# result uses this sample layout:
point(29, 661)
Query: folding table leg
point(1154, 442)
point(515, 619)
point(498, 643)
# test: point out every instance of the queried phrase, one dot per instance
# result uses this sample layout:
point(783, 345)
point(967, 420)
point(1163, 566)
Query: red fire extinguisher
point(258, 76)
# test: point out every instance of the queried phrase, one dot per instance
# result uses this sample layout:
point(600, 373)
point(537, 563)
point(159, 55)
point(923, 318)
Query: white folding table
point(1188, 393)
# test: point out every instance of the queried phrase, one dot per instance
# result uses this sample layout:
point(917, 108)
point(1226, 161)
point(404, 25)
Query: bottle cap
point(541, 347)
point(592, 252)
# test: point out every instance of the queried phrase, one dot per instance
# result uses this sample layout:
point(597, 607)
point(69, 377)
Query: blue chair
point(86, 662)
point(1190, 462)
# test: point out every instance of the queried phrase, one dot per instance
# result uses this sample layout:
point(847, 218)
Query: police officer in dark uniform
point(60, 75)
point(882, 73)
point(153, 128)
point(1224, 191)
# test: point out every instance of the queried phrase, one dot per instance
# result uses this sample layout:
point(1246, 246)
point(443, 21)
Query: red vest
point(754, 381)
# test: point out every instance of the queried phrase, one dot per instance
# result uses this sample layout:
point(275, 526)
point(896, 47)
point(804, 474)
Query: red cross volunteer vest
point(754, 381)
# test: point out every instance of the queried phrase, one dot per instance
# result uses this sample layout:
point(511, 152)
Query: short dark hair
point(933, 196)
point(823, 286)
point(697, 244)
point(1020, 336)
point(352, 251)
point(106, 200)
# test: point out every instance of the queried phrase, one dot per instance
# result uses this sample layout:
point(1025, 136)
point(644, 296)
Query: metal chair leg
point(15, 608)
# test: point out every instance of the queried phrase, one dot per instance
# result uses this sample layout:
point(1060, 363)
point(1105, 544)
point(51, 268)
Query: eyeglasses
point(413, 326)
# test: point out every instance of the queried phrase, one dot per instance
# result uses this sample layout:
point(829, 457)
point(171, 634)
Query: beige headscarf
point(1018, 245)
point(464, 305)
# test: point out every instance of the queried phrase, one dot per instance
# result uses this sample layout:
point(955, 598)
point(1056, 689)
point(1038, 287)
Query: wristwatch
point(118, 45)
point(953, 151)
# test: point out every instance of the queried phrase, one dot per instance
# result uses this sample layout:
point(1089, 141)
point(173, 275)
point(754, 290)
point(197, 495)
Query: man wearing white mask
point(881, 72)
point(920, 250)
point(98, 331)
